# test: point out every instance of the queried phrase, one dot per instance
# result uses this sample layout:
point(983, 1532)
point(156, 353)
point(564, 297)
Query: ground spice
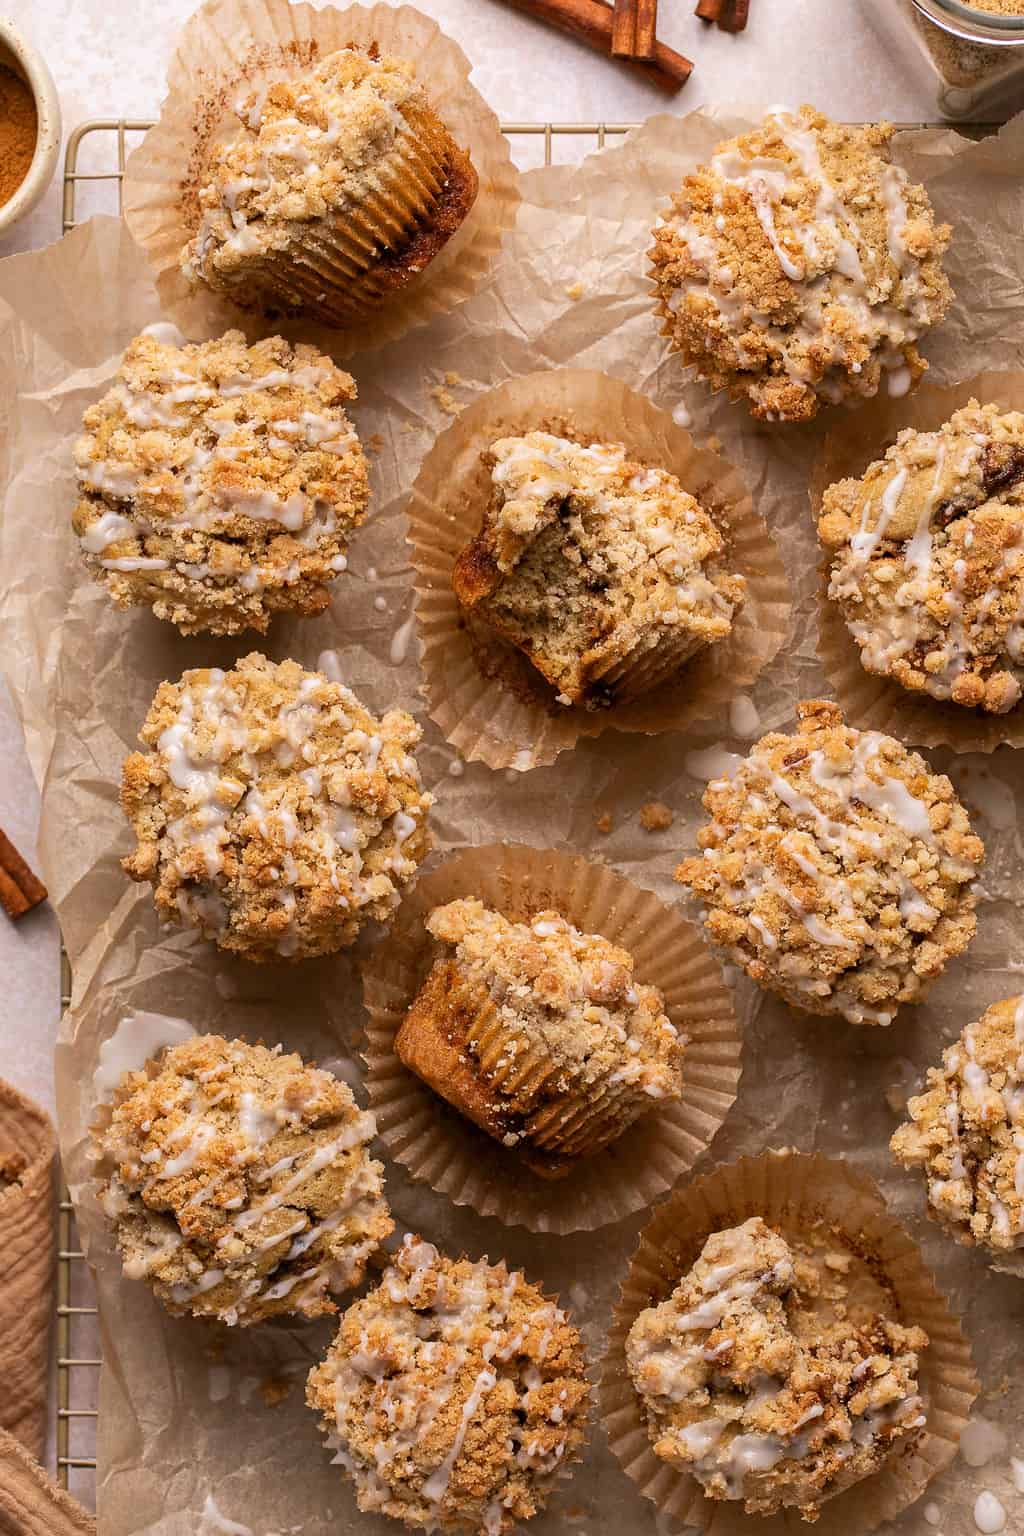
point(18, 131)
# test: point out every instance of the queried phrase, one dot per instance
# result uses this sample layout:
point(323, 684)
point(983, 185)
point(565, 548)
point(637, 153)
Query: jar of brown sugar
point(973, 48)
point(29, 125)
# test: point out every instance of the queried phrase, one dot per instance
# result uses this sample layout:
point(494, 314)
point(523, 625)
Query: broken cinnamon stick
point(592, 22)
point(624, 29)
point(20, 889)
point(735, 16)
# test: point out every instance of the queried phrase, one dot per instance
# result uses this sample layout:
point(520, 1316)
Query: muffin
point(767, 1379)
point(539, 1034)
point(273, 812)
point(836, 869)
point(218, 482)
point(966, 1132)
point(454, 1395)
point(800, 267)
point(237, 1181)
point(927, 559)
point(334, 191)
point(603, 571)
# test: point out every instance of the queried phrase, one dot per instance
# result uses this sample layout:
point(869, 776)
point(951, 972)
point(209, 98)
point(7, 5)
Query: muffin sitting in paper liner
point(800, 267)
point(547, 1042)
point(603, 571)
point(538, 1033)
point(237, 1181)
point(836, 869)
point(745, 1388)
point(273, 812)
point(927, 559)
point(454, 1395)
point(778, 1348)
point(966, 1133)
point(335, 189)
point(219, 482)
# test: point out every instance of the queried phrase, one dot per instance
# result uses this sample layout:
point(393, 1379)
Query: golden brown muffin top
point(928, 563)
point(761, 1378)
point(454, 1394)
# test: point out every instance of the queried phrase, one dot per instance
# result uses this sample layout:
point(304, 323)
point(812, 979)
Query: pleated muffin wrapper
point(880, 703)
point(444, 1149)
point(230, 47)
point(794, 1192)
point(491, 704)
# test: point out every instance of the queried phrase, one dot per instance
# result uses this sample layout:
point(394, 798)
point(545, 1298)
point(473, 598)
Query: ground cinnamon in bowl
point(18, 131)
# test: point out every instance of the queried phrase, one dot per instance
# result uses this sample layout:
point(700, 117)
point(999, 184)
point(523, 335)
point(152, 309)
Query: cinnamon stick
point(735, 16)
point(20, 889)
point(592, 22)
point(624, 29)
point(709, 10)
point(645, 40)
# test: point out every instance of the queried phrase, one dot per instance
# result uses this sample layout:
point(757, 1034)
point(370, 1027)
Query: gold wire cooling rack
point(94, 166)
point(103, 146)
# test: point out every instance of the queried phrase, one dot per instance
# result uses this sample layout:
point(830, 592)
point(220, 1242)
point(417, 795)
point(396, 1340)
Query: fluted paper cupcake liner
point(442, 1148)
point(28, 1152)
point(231, 45)
point(794, 1192)
point(879, 703)
point(510, 718)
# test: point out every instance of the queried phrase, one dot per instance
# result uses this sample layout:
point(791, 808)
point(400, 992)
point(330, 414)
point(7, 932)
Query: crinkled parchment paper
point(183, 1421)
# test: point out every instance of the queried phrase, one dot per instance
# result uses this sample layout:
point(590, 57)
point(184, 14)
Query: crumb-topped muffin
point(603, 571)
point(218, 482)
point(237, 1181)
point(334, 191)
point(928, 559)
point(836, 869)
point(763, 1378)
point(800, 266)
point(966, 1132)
point(272, 811)
point(538, 1033)
point(454, 1395)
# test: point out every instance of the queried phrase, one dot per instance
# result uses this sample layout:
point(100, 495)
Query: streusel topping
point(837, 868)
point(220, 482)
point(928, 566)
point(595, 557)
point(273, 811)
point(966, 1131)
point(238, 1181)
point(304, 149)
point(573, 993)
point(453, 1395)
point(760, 1377)
point(801, 266)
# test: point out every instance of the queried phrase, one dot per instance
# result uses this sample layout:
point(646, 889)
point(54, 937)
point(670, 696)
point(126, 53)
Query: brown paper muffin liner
point(793, 1191)
point(231, 45)
point(489, 702)
point(879, 703)
point(28, 1153)
point(440, 1147)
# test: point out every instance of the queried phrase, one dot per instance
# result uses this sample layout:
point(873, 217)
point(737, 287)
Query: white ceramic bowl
point(18, 54)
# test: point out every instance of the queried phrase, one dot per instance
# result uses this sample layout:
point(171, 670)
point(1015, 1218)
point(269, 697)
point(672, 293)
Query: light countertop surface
point(108, 62)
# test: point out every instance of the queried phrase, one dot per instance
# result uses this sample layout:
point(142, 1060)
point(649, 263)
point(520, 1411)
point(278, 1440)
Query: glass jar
point(976, 53)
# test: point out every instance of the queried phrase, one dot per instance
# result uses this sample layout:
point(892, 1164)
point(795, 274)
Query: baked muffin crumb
point(605, 572)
